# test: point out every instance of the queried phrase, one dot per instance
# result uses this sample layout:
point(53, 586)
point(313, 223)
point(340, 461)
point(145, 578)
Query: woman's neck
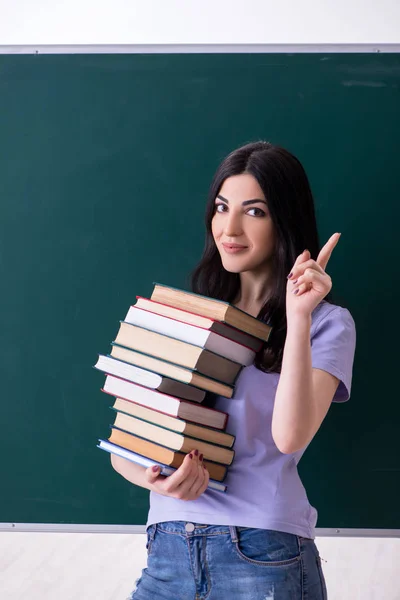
point(252, 294)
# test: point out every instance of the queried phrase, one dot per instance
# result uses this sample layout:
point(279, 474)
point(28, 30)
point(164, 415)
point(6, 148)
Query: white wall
point(207, 22)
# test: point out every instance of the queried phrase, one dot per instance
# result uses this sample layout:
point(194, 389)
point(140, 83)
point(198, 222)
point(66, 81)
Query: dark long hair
point(291, 205)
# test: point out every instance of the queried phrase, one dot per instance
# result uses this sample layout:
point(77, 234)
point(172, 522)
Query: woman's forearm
point(130, 471)
point(294, 409)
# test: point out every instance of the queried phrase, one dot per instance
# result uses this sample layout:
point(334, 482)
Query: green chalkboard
point(105, 163)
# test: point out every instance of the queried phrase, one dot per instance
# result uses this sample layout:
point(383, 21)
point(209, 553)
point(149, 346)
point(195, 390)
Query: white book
point(192, 334)
point(147, 462)
point(148, 379)
point(175, 407)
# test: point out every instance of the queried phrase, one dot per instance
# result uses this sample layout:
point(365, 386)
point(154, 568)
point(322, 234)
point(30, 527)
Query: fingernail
point(296, 291)
point(196, 452)
point(295, 281)
point(191, 455)
point(291, 275)
point(155, 468)
point(201, 457)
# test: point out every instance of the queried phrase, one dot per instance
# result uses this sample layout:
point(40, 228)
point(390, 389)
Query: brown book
point(169, 405)
point(161, 454)
point(180, 353)
point(151, 363)
point(204, 322)
point(200, 432)
point(172, 439)
point(213, 308)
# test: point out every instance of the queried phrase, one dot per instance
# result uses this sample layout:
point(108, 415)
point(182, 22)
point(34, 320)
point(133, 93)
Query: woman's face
point(242, 227)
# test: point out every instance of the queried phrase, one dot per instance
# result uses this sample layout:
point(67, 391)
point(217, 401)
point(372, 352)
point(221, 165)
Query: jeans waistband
point(190, 529)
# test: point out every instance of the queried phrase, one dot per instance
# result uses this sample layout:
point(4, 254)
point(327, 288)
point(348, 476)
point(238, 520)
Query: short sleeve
point(333, 347)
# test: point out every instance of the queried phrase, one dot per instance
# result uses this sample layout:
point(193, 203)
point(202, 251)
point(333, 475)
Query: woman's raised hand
point(308, 282)
point(188, 482)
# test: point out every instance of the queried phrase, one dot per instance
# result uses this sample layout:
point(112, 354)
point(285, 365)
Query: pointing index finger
point(326, 251)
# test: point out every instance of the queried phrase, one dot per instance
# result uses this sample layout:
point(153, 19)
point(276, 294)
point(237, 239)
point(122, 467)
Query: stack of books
point(169, 352)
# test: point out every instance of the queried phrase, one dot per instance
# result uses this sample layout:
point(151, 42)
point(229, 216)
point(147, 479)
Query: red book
point(213, 325)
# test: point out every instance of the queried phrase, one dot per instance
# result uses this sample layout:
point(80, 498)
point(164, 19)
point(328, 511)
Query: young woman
point(256, 542)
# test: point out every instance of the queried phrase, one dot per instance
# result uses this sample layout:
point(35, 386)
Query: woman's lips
point(233, 248)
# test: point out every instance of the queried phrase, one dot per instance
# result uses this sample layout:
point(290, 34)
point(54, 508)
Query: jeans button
point(189, 527)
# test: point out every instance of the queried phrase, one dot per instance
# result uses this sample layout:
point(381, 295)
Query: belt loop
point(233, 532)
point(152, 531)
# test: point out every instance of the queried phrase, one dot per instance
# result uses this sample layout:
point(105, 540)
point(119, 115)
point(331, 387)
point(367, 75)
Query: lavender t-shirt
point(264, 487)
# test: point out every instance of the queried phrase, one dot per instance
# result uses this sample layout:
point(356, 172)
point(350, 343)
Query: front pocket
point(267, 548)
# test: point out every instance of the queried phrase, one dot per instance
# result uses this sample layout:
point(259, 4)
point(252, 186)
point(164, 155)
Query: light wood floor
point(104, 566)
point(69, 566)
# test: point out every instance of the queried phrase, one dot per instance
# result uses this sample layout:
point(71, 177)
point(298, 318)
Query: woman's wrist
point(299, 322)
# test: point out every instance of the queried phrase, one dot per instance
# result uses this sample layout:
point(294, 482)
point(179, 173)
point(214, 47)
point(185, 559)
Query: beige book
point(170, 370)
point(179, 425)
point(180, 353)
point(172, 440)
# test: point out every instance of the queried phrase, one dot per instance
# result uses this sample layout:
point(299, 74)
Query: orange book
point(163, 455)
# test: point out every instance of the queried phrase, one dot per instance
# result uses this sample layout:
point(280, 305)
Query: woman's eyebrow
point(245, 203)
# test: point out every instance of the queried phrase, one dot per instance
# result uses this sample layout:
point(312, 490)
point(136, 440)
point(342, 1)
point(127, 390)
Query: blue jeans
point(190, 561)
